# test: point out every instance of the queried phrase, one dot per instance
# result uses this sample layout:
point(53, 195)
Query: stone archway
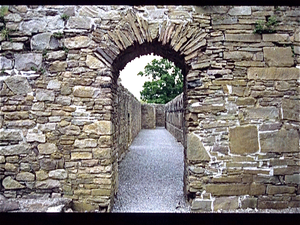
point(134, 36)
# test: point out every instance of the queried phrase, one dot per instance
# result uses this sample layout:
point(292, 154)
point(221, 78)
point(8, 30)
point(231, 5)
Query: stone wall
point(174, 111)
point(59, 118)
point(159, 115)
point(129, 110)
point(148, 116)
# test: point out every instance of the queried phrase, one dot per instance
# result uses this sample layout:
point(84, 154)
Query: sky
point(129, 77)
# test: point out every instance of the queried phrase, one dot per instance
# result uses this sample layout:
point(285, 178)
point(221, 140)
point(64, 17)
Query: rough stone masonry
point(65, 122)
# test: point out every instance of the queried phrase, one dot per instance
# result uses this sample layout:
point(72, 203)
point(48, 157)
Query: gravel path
point(151, 175)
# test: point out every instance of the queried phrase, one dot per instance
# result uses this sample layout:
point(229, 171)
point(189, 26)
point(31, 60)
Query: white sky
point(129, 77)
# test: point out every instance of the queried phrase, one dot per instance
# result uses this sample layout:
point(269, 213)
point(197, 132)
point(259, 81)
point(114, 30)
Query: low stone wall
point(174, 117)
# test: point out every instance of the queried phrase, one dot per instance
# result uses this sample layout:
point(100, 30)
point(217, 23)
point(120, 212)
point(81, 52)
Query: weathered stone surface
point(45, 95)
point(273, 73)
point(47, 184)
point(16, 116)
point(33, 26)
point(83, 92)
point(276, 37)
point(101, 153)
point(10, 167)
point(54, 85)
point(148, 116)
point(226, 203)
point(47, 148)
point(195, 149)
point(81, 155)
point(291, 109)
point(15, 149)
point(40, 41)
point(41, 175)
point(2, 159)
point(272, 189)
point(57, 55)
point(238, 55)
point(278, 56)
point(257, 189)
point(82, 206)
point(79, 22)
point(85, 143)
point(8, 205)
point(71, 130)
point(243, 140)
point(77, 42)
point(240, 11)
point(10, 135)
point(6, 45)
point(10, 184)
point(35, 136)
point(249, 203)
point(227, 189)
point(58, 66)
point(93, 62)
point(5, 63)
point(25, 176)
point(280, 141)
point(201, 204)
point(243, 37)
point(18, 85)
point(101, 192)
point(292, 179)
point(59, 174)
point(245, 101)
point(264, 113)
point(99, 128)
point(28, 60)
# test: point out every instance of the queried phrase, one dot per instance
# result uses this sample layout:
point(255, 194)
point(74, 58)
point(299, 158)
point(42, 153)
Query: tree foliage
point(166, 84)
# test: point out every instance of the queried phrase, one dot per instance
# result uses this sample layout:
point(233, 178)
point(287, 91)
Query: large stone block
point(77, 42)
point(227, 189)
point(45, 95)
point(10, 184)
point(18, 85)
point(238, 55)
point(28, 60)
point(272, 190)
point(243, 140)
point(58, 66)
point(81, 155)
point(10, 135)
point(201, 204)
point(99, 128)
point(25, 176)
point(226, 203)
point(243, 37)
point(47, 184)
point(297, 35)
point(5, 63)
point(291, 109)
point(278, 56)
point(280, 141)
point(293, 179)
point(47, 148)
point(35, 136)
point(101, 153)
point(195, 149)
point(83, 92)
point(15, 149)
point(40, 41)
point(273, 73)
point(264, 113)
point(79, 23)
point(93, 63)
point(276, 37)
point(240, 11)
point(85, 143)
point(59, 174)
point(34, 25)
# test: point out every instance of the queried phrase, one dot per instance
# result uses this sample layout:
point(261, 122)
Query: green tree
point(166, 84)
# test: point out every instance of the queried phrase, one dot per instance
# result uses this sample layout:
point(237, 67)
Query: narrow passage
point(151, 175)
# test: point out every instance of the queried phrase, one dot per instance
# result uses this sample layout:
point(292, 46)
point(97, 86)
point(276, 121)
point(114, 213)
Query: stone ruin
point(65, 122)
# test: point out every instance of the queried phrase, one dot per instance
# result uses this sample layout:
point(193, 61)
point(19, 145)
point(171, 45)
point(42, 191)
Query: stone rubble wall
point(59, 118)
point(174, 117)
point(148, 116)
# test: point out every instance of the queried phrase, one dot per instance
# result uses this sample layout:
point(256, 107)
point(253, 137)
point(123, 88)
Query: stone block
point(291, 109)
point(34, 25)
point(280, 141)
point(99, 128)
point(273, 73)
point(195, 149)
point(297, 35)
point(83, 92)
point(81, 155)
point(45, 95)
point(40, 41)
point(81, 206)
point(85, 143)
point(25, 176)
point(286, 170)
point(47, 184)
point(77, 42)
point(93, 63)
point(249, 203)
point(101, 153)
point(2, 159)
point(79, 23)
point(41, 175)
point(238, 55)
point(243, 37)
point(16, 116)
point(278, 56)
point(276, 37)
point(59, 174)
point(10, 167)
point(35, 136)
point(272, 190)
point(18, 85)
point(261, 204)
point(54, 85)
point(243, 140)
point(264, 113)
point(257, 189)
point(10, 135)
point(58, 66)
point(245, 101)
point(201, 205)
point(226, 203)
point(240, 11)
point(227, 189)
point(28, 60)
point(101, 192)
point(105, 141)
point(292, 179)
point(15, 149)
point(10, 184)
point(5, 63)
